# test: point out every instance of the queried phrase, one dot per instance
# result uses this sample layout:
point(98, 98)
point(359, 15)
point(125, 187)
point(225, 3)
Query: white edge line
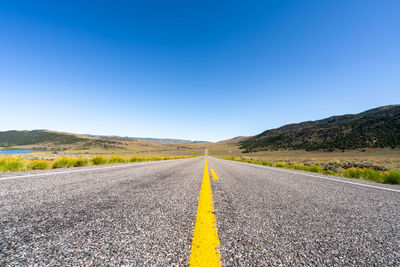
point(86, 170)
point(316, 176)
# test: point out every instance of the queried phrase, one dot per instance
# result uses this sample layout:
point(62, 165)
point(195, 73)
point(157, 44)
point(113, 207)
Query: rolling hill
point(53, 140)
point(379, 127)
point(234, 141)
point(127, 138)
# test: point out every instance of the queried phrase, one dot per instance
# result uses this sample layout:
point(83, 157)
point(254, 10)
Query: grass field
point(127, 148)
point(8, 164)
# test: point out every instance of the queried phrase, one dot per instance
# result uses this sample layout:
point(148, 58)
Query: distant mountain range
point(379, 127)
point(126, 138)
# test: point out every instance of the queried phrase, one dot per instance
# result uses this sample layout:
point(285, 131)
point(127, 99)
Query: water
point(16, 151)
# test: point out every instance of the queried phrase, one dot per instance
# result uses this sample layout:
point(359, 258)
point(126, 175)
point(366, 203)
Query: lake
point(16, 151)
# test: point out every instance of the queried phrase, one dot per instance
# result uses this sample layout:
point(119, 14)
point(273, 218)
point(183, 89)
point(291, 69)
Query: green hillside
point(54, 139)
point(379, 127)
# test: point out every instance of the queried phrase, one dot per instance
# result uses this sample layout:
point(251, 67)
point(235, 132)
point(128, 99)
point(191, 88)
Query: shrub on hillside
point(136, 159)
point(372, 175)
point(63, 162)
point(11, 164)
point(353, 173)
point(392, 177)
point(99, 160)
point(300, 167)
point(280, 164)
point(267, 163)
point(81, 162)
point(316, 169)
point(117, 159)
point(330, 172)
point(38, 165)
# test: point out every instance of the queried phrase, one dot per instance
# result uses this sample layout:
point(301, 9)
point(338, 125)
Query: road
point(146, 213)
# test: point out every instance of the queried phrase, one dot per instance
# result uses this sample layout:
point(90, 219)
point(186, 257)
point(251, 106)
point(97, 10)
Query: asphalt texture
point(141, 214)
point(144, 214)
point(268, 216)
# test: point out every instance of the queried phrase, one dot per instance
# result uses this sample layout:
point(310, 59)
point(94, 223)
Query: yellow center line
point(214, 175)
point(205, 236)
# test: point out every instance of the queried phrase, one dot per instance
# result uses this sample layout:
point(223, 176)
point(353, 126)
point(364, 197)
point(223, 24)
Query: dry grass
point(378, 159)
point(370, 174)
point(8, 164)
point(381, 159)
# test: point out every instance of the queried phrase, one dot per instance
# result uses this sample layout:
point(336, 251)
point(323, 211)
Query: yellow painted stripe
point(205, 236)
point(214, 175)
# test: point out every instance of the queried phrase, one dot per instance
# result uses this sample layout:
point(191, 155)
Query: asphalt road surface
point(145, 214)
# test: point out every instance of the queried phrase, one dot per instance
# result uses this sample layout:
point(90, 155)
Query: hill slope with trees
point(47, 138)
point(379, 127)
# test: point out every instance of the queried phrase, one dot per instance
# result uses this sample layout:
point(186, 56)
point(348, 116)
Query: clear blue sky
point(209, 70)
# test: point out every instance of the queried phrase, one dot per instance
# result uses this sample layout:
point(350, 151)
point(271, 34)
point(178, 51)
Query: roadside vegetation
point(369, 174)
point(8, 164)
